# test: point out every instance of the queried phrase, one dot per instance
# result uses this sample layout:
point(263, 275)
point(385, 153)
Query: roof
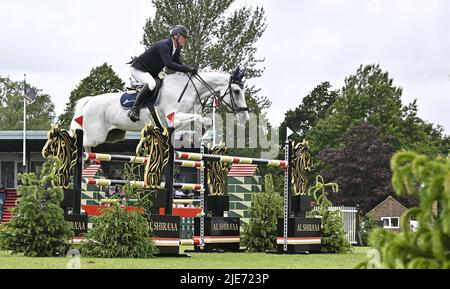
point(42, 135)
point(390, 198)
point(238, 170)
point(13, 135)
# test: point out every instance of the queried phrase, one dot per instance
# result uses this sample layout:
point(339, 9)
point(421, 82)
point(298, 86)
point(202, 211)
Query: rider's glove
point(193, 70)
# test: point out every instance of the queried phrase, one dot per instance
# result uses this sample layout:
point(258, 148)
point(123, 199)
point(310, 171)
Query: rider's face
point(182, 40)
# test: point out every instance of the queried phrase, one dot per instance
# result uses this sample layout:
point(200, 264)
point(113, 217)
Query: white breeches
point(143, 77)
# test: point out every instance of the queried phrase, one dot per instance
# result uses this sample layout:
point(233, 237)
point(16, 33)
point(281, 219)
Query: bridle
point(232, 105)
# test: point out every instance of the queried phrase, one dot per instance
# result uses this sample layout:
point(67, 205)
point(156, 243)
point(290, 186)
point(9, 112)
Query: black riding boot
point(135, 111)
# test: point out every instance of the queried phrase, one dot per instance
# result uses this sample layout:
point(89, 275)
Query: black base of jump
point(304, 236)
point(221, 234)
point(166, 231)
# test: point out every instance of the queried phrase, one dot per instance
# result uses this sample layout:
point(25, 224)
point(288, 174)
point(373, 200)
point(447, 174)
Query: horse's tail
point(79, 111)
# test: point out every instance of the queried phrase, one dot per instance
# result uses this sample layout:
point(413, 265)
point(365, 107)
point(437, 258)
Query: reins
point(233, 107)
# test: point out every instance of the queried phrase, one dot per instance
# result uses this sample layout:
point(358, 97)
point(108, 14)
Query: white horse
point(106, 121)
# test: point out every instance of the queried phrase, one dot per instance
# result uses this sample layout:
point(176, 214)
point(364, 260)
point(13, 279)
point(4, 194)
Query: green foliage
point(429, 246)
point(333, 234)
point(140, 197)
point(370, 96)
point(221, 38)
point(367, 226)
point(38, 228)
point(314, 107)
point(40, 114)
point(261, 233)
point(118, 233)
point(102, 79)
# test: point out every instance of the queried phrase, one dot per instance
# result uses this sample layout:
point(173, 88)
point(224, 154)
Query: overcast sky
point(56, 43)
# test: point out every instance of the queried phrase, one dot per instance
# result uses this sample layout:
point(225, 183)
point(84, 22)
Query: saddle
point(128, 99)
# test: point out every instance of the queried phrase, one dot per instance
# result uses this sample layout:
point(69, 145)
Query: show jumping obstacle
point(134, 160)
point(212, 230)
point(139, 185)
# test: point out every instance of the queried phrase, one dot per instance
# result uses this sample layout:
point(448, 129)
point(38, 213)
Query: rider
point(145, 68)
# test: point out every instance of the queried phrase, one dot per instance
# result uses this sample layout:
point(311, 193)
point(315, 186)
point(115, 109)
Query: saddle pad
point(127, 100)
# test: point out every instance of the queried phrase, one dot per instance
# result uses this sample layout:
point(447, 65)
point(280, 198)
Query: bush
point(429, 246)
point(38, 228)
point(333, 235)
point(261, 232)
point(118, 233)
point(367, 226)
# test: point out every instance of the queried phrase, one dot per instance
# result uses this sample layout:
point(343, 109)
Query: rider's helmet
point(180, 29)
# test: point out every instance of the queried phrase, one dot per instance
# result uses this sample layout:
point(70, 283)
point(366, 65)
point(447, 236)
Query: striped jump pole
point(138, 184)
point(231, 160)
point(186, 202)
point(135, 160)
point(174, 242)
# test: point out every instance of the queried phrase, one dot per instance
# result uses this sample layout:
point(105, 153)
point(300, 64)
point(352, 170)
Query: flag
point(216, 102)
point(289, 132)
point(30, 94)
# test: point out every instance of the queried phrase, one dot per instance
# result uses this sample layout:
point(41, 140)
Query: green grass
point(197, 261)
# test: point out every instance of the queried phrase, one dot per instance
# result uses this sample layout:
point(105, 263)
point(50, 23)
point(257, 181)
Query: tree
point(40, 114)
point(370, 96)
point(221, 39)
point(360, 168)
point(314, 107)
point(102, 79)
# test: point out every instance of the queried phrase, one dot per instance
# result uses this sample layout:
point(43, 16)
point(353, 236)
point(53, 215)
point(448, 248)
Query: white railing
point(349, 215)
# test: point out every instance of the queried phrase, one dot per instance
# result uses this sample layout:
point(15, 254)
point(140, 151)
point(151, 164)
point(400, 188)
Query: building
point(388, 213)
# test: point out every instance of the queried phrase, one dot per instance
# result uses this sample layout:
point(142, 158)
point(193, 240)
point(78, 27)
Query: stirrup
point(134, 115)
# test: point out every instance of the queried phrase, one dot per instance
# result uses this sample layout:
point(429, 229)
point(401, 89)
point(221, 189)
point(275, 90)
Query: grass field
point(197, 261)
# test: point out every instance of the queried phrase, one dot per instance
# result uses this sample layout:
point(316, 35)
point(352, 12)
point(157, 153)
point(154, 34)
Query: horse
point(106, 121)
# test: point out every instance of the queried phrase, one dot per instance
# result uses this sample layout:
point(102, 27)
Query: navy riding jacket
point(159, 56)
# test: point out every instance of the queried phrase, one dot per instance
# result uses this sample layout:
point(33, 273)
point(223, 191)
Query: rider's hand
point(194, 70)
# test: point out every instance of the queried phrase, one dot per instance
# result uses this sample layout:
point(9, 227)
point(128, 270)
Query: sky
point(56, 43)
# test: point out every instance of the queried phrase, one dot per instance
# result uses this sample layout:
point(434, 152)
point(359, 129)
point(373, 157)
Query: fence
point(350, 216)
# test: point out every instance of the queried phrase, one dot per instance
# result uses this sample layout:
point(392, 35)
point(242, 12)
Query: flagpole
point(214, 122)
point(24, 162)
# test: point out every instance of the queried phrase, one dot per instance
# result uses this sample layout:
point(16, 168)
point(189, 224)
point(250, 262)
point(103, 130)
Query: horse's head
point(232, 93)
point(234, 99)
